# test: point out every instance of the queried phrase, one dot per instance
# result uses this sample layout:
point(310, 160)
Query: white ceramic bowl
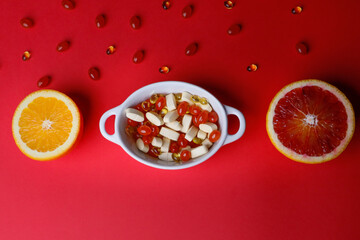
point(128, 144)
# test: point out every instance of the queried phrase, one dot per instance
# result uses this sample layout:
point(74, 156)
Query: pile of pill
point(173, 127)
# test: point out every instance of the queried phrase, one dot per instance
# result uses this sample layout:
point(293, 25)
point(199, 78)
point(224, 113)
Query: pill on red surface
point(234, 29)
point(110, 50)
point(191, 49)
point(138, 56)
point(297, 10)
point(164, 69)
point(100, 20)
point(187, 11)
point(135, 22)
point(166, 5)
point(94, 73)
point(26, 56)
point(302, 48)
point(27, 22)
point(63, 46)
point(68, 4)
point(44, 81)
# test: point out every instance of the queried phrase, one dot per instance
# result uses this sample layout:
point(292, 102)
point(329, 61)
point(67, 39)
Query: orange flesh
point(45, 124)
point(310, 121)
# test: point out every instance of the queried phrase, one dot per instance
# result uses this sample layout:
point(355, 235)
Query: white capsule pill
point(169, 133)
point(171, 116)
point(208, 127)
point(207, 143)
point(141, 146)
point(175, 125)
point(166, 145)
point(154, 118)
point(170, 102)
point(157, 142)
point(198, 151)
point(186, 97)
point(206, 107)
point(191, 133)
point(201, 134)
point(166, 157)
point(134, 115)
point(186, 122)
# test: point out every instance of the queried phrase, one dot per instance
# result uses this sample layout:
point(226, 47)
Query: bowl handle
point(111, 137)
point(233, 137)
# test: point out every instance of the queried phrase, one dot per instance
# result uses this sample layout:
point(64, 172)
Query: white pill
point(157, 142)
point(171, 116)
point(206, 107)
point(186, 97)
point(166, 144)
point(166, 157)
point(207, 143)
point(154, 118)
point(191, 133)
point(186, 148)
point(134, 115)
point(201, 134)
point(198, 151)
point(208, 127)
point(186, 122)
point(169, 133)
point(141, 146)
point(175, 125)
point(170, 102)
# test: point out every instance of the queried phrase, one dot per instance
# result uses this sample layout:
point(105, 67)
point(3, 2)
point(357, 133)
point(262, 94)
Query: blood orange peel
point(310, 121)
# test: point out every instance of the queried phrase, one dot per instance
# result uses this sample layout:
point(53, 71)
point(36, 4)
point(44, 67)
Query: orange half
point(46, 125)
point(310, 121)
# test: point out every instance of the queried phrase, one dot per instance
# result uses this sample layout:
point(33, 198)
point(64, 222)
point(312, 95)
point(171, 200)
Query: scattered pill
point(135, 22)
point(234, 29)
point(252, 67)
point(302, 48)
point(26, 56)
point(229, 4)
point(191, 49)
point(110, 50)
point(164, 69)
point(187, 11)
point(27, 22)
point(166, 5)
point(68, 4)
point(44, 81)
point(100, 21)
point(138, 56)
point(63, 46)
point(94, 73)
point(297, 10)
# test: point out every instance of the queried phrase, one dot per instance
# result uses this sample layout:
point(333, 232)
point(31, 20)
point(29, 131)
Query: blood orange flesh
point(310, 121)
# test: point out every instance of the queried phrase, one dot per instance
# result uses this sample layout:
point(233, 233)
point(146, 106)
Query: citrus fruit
point(310, 121)
point(46, 125)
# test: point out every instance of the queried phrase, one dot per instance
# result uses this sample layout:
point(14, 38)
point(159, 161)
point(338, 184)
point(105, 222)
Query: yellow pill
point(163, 112)
point(178, 96)
point(203, 101)
point(197, 140)
point(176, 157)
point(195, 98)
point(154, 98)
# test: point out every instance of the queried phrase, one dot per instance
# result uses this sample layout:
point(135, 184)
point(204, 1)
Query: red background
point(248, 190)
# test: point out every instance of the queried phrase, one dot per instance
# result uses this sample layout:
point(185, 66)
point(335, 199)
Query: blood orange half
point(310, 121)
